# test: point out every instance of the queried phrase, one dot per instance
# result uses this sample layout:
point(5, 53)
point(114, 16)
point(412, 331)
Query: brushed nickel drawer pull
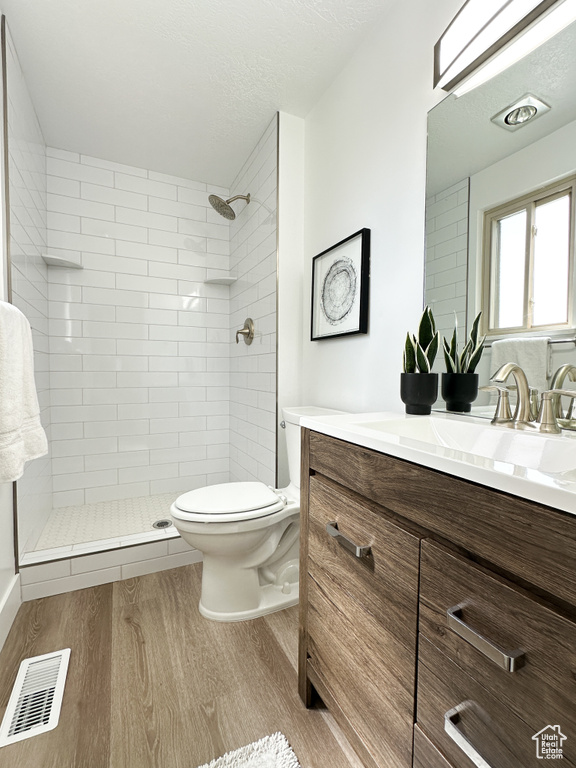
point(359, 552)
point(451, 720)
point(511, 661)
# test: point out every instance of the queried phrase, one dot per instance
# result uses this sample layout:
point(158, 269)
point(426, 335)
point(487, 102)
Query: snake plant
point(420, 352)
point(468, 359)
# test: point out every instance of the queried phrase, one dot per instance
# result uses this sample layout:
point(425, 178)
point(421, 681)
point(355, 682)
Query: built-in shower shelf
point(219, 278)
point(59, 261)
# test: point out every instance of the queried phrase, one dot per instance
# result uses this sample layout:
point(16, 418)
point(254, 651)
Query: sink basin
point(550, 454)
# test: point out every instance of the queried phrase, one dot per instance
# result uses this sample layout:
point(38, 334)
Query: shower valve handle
point(247, 332)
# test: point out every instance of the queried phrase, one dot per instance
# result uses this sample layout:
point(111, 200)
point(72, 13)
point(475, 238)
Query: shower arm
point(238, 197)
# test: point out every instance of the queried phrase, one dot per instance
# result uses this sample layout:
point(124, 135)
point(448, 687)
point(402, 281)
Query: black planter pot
point(459, 390)
point(419, 392)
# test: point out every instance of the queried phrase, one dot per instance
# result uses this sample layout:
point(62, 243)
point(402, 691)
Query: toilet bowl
point(248, 534)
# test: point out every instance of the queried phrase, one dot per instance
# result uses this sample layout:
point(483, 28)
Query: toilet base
point(272, 598)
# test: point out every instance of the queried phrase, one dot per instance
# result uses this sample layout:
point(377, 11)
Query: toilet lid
point(231, 501)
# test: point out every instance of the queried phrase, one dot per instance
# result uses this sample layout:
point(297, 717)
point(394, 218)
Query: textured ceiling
point(462, 140)
point(183, 87)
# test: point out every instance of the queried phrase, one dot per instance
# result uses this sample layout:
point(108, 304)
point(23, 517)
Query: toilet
point(248, 534)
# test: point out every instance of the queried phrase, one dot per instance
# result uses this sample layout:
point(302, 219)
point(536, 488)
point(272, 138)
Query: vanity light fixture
point(487, 36)
point(521, 112)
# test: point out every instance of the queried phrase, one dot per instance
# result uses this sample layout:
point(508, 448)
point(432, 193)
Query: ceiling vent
point(36, 698)
point(524, 110)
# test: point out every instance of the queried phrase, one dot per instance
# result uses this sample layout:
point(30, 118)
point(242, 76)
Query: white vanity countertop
point(524, 463)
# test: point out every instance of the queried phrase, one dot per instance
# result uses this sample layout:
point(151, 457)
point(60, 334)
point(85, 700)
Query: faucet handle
point(547, 421)
point(503, 414)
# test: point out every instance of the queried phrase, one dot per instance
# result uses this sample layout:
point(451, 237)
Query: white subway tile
point(71, 583)
point(78, 207)
point(178, 209)
point(148, 473)
point(68, 170)
point(119, 557)
point(113, 196)
point(113, 492)
point(63, 221)
point(147, 410)
point(112, 230)
point(83, 480)
point(193, 196)
point(65, 431)
point(62, 154)
point(161, 564)
point(98, 163)
point(149, 284)
point(152, 317)
point(45, 572)
point(145, 186)
point(84, 447)
point(162, 348)
point(118, 298)
point(82, 413)
point(178, 180)
point(116, 460)
point(79, 242)
point(103, 363)
point(97, 396)
point(146, 219)
point(147, 442)
point(59, 186)
point(82, 380)
point(174, 240)
point(144, 379)
point(114, 330)
point(116, 428)
point(149, 253)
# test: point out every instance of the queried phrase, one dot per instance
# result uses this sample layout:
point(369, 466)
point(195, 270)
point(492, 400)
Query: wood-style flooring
point(152, 684)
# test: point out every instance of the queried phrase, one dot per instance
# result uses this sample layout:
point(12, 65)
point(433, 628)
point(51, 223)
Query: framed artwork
point(340, 278)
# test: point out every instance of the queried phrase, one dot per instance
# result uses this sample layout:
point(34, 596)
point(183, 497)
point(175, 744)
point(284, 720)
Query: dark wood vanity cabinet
point(452, 643)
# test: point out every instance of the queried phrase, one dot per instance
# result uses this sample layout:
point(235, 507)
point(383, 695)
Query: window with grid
point(528, 281)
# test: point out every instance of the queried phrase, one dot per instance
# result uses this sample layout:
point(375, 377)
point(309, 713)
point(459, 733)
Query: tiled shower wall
point(447, 257)
point(253, 368)
point(139, 343)
point(27, 176)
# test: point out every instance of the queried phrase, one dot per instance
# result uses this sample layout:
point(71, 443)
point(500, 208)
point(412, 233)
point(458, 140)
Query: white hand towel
point(22, 437)
point(532, 354)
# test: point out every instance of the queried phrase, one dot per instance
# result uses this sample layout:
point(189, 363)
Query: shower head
point(223, 207)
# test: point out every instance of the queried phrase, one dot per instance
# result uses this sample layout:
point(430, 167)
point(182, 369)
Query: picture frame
point(340, 283)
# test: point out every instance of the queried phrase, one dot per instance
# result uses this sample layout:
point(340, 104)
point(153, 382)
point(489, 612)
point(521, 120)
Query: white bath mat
point(270, 752)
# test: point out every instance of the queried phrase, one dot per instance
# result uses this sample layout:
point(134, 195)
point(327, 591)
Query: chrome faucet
point(522, 415)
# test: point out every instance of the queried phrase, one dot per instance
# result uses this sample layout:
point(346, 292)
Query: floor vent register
point(36, 698)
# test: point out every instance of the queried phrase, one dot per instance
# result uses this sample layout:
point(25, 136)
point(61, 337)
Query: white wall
point(253, 263)
point(366, 167)
point(290, 274)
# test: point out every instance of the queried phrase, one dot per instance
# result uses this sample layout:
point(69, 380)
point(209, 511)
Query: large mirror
point(475, 165)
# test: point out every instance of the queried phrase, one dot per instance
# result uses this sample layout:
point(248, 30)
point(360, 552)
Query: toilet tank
point(292, 418)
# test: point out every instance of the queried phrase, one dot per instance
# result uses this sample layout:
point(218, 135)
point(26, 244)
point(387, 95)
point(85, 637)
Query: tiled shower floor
point(105, 525)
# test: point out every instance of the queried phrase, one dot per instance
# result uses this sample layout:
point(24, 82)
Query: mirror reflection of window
point(528, 254)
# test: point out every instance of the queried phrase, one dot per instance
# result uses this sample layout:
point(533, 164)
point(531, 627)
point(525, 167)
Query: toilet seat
point(228, 502)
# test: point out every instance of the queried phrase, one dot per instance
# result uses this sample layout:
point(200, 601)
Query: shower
point(223, 207)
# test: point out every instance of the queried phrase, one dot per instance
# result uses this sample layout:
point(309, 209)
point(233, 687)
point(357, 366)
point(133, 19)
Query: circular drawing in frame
point(339, 291)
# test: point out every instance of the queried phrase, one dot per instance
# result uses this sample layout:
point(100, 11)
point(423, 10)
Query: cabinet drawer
point(536, 543)
point(384, 584)
point(366, 670)
point(425, 753)
point(508, 620)
point(462, 717)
